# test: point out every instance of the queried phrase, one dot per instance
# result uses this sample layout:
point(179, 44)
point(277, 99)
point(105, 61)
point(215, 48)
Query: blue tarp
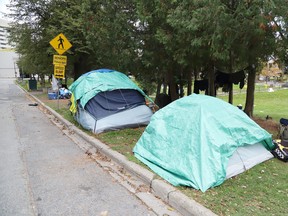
point(111, 102)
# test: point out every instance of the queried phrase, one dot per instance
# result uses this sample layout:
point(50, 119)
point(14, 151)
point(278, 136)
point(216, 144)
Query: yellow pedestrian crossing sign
point(60, 43)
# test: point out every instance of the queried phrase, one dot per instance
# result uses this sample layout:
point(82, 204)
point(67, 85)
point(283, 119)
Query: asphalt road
point(42, 172)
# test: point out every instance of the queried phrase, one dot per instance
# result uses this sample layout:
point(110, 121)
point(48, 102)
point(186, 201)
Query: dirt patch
point(269, 125)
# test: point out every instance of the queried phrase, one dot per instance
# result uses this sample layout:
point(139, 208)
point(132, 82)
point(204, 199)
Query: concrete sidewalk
point(124, 169)
point(43, 172)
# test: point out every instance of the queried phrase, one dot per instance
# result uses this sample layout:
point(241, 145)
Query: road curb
point(159, 188)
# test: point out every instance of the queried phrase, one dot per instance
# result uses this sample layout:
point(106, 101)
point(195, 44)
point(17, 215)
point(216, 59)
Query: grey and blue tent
point(105, 99)
point(199, 141)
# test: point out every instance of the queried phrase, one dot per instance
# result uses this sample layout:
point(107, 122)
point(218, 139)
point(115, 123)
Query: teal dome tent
point(104, 100)
point(199, 141)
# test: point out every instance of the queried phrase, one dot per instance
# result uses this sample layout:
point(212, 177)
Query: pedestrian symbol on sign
point(60, 44)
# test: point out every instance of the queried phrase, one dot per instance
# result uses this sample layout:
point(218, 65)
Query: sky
point(3, 8)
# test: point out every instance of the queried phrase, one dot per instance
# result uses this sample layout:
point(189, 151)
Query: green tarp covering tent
point(199, 141)
point(102, 80)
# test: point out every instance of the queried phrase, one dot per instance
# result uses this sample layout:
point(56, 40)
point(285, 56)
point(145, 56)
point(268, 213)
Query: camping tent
point(105, 100)
point(199, 141)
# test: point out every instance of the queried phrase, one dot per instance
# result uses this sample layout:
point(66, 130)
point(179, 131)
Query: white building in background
point(4, 32)
point(8, 57)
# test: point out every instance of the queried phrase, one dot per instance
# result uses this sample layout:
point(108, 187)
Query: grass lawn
point(262, 190)
point(274, 104)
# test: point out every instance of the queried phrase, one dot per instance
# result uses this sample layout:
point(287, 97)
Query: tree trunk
point(211, 81)
point(42, 78)
point(231, 71)
point(173, 93)
point(81, 66)
point(189, 86)
point(231, 93)
point(77, 70)
point(159, 84)
point(165, 87)
point(250, 92)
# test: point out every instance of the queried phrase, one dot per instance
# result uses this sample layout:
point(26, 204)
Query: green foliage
point(109, 29)
point(156, 33)
point(27, 32)
point(157, 41)
point(101, 33)
point(228, 30)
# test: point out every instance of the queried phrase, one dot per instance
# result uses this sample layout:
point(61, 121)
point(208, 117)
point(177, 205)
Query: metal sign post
point(61, 44)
